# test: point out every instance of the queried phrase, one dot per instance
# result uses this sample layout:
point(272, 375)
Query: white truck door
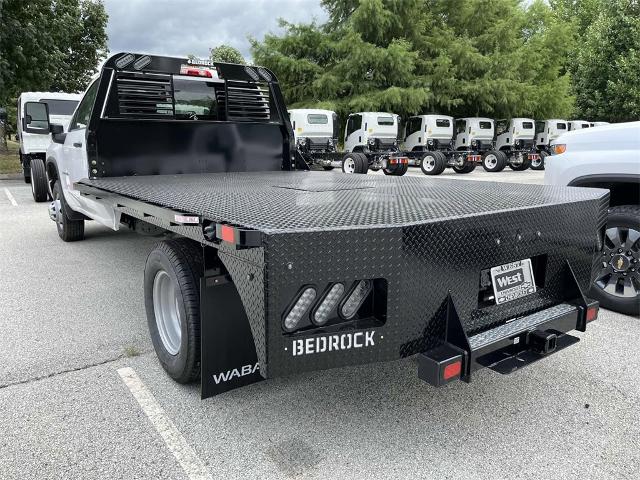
point(353, 133)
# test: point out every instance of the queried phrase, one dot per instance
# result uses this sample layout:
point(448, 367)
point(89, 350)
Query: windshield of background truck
point(385, 120)
point(485, 125)
point(317, 119)
point(527, 125)
point(60, 107)
point(561, 126)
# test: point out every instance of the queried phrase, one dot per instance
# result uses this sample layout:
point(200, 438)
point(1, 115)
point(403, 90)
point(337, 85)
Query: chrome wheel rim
point(33, 188)
point(58, 203)
point(166, 309)
point(619, 275)
point(491, 161)
point(536, 163)
point(349, 165)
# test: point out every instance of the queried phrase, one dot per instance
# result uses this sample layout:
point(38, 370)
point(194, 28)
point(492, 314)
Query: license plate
point(512, 280)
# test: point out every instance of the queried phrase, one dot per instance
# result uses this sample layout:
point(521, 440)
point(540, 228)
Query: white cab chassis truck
point(514, 146)
point(430, 144)
point(578, 125)
point(370, 142)
point(35, 110)
point(546, 132)
point(315, 132)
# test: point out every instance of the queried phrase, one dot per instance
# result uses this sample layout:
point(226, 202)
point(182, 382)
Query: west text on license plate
point(512, 280)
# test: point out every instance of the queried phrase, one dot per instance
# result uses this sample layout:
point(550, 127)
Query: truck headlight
point(558, 148)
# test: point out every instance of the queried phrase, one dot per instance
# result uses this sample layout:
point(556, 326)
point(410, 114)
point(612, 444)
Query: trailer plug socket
point(542, 342)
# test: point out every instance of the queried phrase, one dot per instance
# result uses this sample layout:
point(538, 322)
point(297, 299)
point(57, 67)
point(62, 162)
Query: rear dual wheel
point(396, 170)
point(526, 163)
point(539, 163)
point(172, 302)
point(433, 163)
point(494, 161)
point(355, 162)
point(468, 167)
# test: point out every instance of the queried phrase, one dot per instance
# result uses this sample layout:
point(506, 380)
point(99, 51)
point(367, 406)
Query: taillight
point(452, 370)
point(592, 312)
point(300, 308)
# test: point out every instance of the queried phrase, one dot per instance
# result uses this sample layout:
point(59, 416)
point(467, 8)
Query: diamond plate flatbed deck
point(288, 202)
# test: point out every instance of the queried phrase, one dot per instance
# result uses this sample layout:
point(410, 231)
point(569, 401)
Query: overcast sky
point(182, 27)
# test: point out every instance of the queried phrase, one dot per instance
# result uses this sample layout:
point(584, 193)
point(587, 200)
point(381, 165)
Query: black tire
point(623, 219)
point(397, 170)
point(494, 161)
point(181, 259)
point(68, 230)
point(523, 166)
point(356, 162)
point(539, 165)
point(328, 168)
point(468, 167)
point(433, 163)
point(39, 188)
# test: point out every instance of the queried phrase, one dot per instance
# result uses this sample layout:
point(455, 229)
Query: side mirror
point(36, 118)
point(58, 134)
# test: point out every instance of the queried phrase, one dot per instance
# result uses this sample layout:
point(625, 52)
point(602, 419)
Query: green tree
point(463, 57)
point(226, 54)
point(49, 45)
point(606, 66)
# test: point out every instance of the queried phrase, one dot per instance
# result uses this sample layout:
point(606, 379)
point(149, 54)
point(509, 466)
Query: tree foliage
point(462, 57)
point(52, 45)
point(605, 64)
point(226, 54)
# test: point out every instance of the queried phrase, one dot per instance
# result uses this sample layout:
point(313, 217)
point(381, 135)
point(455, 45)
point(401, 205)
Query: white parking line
point(185, 455)
point(10, 197)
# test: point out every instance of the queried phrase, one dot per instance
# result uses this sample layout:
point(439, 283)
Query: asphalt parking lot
point(82, 395)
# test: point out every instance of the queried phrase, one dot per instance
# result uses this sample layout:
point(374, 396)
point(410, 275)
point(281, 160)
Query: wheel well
point(624, 191)
point(357, 148)
point(52, 173)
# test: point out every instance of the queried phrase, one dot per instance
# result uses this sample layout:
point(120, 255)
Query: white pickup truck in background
point(608, 157)
point(35, 110)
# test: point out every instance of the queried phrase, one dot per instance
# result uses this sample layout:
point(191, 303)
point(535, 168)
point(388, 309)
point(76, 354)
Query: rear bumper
point(508, 347)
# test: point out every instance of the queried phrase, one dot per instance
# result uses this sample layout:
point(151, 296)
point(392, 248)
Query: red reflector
point(452, 370)
point(592, 313)
point(227, 234)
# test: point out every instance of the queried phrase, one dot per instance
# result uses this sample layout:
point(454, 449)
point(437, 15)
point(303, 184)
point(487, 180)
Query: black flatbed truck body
point(424, 244)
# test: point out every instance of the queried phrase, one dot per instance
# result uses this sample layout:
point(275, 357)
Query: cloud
point(182, 27)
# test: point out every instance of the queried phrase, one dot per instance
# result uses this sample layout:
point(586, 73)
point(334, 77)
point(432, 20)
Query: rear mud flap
point(228, 353)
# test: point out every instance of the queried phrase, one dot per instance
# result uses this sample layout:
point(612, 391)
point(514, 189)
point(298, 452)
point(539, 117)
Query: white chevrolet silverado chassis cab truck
point(607, 157)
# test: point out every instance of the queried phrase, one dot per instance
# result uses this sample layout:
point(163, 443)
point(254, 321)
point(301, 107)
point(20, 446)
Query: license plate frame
point(512, 281)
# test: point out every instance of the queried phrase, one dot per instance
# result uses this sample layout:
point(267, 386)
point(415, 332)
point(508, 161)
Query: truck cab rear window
point(60, 107)
point(485, 125)
point(195, 100)
point(527, 125)
point(561, 126)
point(442, 122)
point(317, 119)
point(385, 120)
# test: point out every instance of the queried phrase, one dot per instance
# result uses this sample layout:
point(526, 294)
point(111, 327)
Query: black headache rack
point(307, 271)
point(157, 115)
